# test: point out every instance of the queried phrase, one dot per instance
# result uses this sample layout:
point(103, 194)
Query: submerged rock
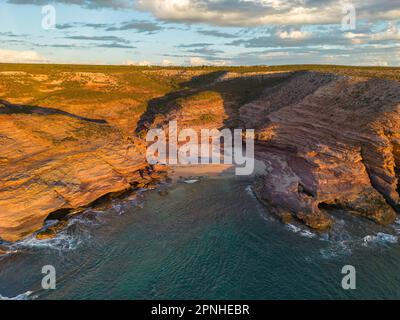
point(163, 193)
point(51, 232)
point(286, 218)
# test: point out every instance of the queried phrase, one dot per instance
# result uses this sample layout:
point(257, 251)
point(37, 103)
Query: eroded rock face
point(52, 161)
point(328, 141)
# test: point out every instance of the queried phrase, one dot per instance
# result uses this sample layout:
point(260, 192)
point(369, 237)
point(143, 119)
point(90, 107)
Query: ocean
point(207, 239)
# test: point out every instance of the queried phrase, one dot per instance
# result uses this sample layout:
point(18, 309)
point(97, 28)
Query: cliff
point(329, 138)
point(329, 141)
point(54, 161)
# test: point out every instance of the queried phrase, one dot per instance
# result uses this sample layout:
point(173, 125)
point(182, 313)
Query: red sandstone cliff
point(328, 141)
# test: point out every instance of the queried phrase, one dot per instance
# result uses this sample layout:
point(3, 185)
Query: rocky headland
point(329, 141)
point(329, 138)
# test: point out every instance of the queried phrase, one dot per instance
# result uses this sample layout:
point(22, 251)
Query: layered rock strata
point(328, 142)
point(52, 161)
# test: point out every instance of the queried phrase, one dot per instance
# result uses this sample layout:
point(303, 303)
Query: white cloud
point(198, 61)
point(274, 54)
point(167, 63)
point(238, 13)
point(392, 33)
point(247, 12)
point(293, 34)
point(143, 63)
point(130, 63)
point(12, 56)
point(244, 13)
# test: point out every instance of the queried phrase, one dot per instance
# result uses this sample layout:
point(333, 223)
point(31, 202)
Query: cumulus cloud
point(390, 34)
point(199, 61)
point(167, 63)
point(293, 34)
point(294, 38)
point(143, 63)
point(29, 56)
point(244, 13)
point(90, 4)
point(269, 31)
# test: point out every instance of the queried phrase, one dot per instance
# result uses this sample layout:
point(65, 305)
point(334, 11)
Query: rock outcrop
point(328, 141)
point(51, 161)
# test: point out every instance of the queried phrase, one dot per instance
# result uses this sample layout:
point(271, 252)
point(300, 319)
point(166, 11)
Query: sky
point(201, 32)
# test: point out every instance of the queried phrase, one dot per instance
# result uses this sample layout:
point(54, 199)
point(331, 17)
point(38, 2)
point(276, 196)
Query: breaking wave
point(302, 232)
point(22, 296)
point(61, 242)
point(342, 248)
point(250, 191)
point(380, 238)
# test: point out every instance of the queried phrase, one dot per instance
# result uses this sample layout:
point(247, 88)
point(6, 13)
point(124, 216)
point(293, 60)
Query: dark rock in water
point(51, 232)
point(286, 218)
point(168, 180)
point(91, 216)
point(163, 192)
point(47, 234)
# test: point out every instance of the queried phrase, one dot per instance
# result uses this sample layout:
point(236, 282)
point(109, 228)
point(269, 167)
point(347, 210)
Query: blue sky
point(197, 32)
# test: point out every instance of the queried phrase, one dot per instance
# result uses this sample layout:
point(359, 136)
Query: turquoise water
point(207, 240)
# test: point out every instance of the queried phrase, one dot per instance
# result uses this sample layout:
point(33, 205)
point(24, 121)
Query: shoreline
point(157, 177)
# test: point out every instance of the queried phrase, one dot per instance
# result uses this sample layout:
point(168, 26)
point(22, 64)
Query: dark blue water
point(207, 240)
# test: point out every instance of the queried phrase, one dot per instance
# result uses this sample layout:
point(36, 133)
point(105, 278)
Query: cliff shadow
point(235, 92)
point(9, 108)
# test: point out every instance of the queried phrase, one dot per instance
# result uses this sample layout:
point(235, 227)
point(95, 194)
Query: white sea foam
point(293, 228)
point(8, 252)
point(118, 208)
point(22, 296)
point(250, 191)
point(191, 181)
point(302, 232)
point(62, 242)
point(396, 225)
point(380, 238)
point(336, 249)
point(307, 234)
